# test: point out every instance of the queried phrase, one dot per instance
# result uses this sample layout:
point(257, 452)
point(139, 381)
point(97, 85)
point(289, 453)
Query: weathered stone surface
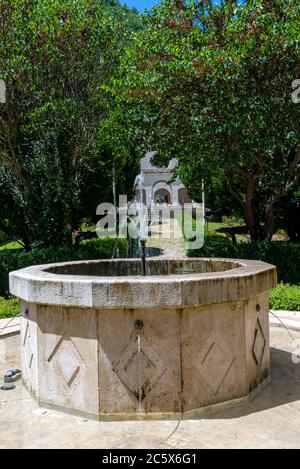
point(180, 282)
point(201, 338)
point(29, 346)
point(257, 350)
point(213, 359)
point(139, 369)
point(68, 357)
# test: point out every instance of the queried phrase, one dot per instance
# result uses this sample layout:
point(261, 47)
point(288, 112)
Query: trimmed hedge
point(285, 256)
point(101, 248)
point(285, 296)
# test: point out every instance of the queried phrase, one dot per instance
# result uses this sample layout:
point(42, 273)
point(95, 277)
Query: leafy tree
point(119, 141)
point(56, 58)
point(211, 84)
point(129, 16)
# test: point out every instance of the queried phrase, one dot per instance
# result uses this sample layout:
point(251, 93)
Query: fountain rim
point(248, 279)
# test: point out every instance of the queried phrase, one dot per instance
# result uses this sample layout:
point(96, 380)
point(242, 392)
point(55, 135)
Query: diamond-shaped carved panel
point(259, 343)
point(214, 362)
point(27, 347)
point(67, 364)
point(139, 368)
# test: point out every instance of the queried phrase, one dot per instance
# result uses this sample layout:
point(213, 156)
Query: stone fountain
point(101, 340)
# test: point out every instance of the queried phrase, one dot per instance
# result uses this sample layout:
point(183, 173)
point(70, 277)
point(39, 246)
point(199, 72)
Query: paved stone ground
point(271, 419)
point(288, 319)
point(9, 326)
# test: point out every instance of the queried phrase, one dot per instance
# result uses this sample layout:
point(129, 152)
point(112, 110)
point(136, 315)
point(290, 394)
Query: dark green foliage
point(285, 296)
point(286, 256)
point(288, 215)
point(211, 83)
point(56, 58)
point(93, 249)
point(129, 16)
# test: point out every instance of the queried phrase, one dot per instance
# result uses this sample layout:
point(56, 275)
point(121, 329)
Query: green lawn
point(11, 245)
point(211, 227)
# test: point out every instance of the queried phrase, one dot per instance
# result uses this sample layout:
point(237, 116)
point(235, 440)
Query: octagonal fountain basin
point(100, 340)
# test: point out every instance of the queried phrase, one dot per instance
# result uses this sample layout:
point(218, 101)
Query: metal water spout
point(143, 256)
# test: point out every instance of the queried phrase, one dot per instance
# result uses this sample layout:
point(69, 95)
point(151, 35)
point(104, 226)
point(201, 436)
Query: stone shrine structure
point(159, 188)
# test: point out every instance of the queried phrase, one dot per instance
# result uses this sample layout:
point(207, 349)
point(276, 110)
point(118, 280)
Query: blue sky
point(139, 4)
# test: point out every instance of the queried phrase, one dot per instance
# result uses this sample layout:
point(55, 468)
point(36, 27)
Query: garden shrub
point(9, 308)
point(285, 256)
point(100, 248)
point(285, 296)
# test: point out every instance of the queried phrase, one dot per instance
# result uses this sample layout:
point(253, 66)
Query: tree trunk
point(26, 240)
point(269, 219)
point(250, 215)
point(251, 221)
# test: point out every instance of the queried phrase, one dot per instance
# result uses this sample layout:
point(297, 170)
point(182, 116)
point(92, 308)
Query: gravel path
point(167, 237)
